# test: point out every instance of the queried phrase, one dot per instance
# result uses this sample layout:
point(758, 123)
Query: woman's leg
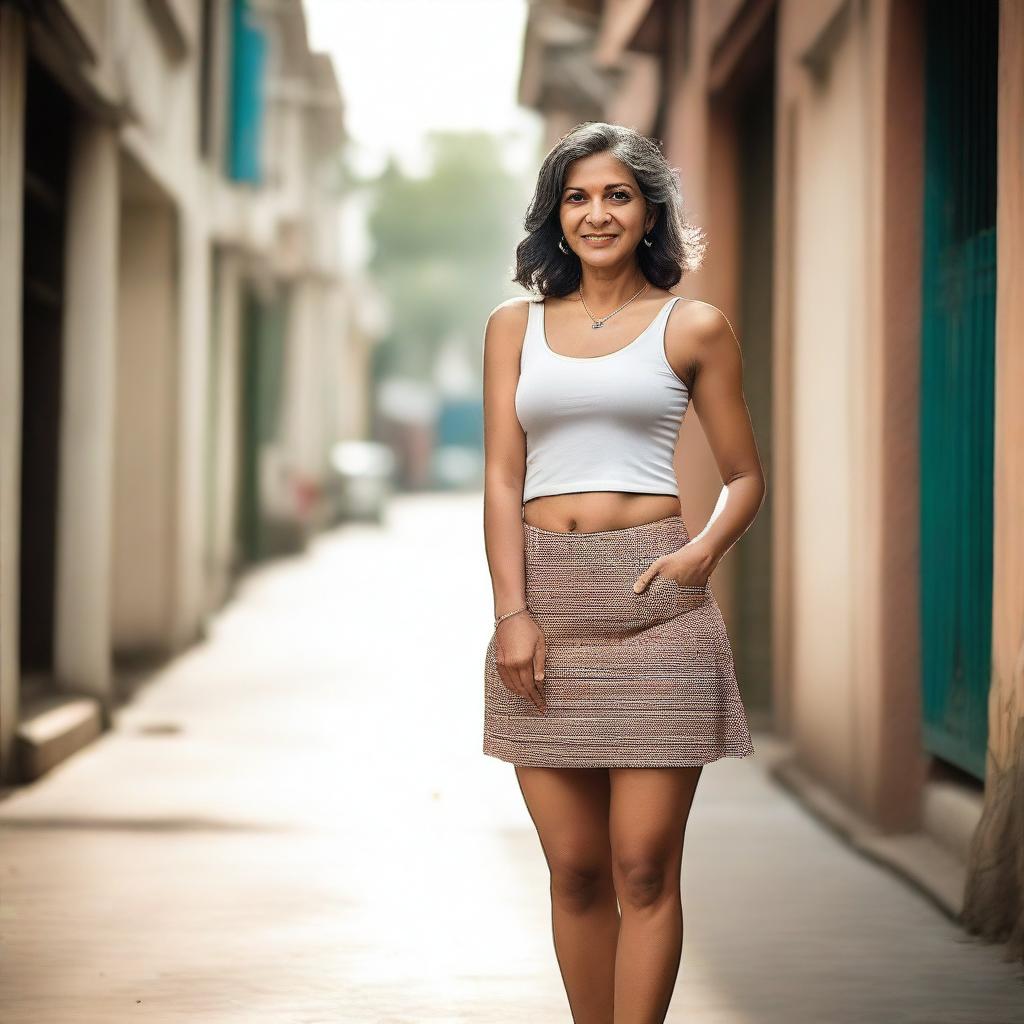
point(569, 807)
point(647, 818)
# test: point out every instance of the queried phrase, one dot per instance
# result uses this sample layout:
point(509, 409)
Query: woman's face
point(601, 197)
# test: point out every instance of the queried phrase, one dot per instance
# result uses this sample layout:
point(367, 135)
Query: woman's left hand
point(690, 566)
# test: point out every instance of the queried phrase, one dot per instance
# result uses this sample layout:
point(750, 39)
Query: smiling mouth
point(598, 237)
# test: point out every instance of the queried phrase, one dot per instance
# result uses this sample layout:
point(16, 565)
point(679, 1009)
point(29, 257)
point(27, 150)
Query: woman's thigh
point(569, 807)
point(648, 811)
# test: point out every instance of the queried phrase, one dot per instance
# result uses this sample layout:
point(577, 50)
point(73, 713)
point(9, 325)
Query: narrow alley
point(293, 822)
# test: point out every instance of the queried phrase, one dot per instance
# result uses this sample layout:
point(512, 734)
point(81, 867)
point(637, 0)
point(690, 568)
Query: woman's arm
point(518, 640)
point(701, 347)
point(717, 396)
point(504, 455)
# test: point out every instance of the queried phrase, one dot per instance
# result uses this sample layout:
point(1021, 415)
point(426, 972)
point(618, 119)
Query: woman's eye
point(579, 195)
point(574, 196)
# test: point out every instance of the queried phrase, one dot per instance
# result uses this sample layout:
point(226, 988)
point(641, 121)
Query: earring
point(563, 246)
point(647, 243)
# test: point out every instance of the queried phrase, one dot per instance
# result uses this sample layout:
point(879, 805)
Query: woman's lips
point(599, 241)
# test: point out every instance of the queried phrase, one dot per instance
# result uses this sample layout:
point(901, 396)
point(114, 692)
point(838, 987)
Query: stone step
point(54, 727)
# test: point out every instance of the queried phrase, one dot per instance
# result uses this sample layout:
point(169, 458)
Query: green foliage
point(444, 249)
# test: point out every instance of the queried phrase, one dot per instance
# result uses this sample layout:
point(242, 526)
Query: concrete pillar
point(303, 383)
point(143, 561)
point(193, 365)
point(12, 164)
point(994, 895)
point(85, 503)
point(224, 438)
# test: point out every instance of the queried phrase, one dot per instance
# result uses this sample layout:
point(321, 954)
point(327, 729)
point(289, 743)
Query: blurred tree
point(444, 249)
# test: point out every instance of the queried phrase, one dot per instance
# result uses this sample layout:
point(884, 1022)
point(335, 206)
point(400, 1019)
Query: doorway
point(49, 116)
point(958, 377)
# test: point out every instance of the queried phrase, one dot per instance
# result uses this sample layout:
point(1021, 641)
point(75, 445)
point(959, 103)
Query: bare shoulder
point(697, 334)
point(699, 325)
point(511, 313)
point(506, 326)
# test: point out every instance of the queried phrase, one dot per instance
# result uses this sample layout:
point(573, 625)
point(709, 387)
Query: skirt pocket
point(689, 598)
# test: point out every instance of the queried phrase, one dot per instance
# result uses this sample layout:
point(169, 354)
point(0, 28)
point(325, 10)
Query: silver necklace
point(600, 323)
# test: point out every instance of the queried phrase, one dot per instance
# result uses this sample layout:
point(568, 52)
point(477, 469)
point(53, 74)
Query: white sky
point(409, 66)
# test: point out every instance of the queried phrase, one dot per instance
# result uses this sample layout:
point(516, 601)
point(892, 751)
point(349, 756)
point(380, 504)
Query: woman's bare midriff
point(595, 511)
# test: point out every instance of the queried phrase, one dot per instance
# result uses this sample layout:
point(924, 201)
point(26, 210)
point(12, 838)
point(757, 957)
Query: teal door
point(957, 377)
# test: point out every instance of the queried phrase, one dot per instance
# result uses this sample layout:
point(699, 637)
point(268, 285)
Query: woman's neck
point(606, 293)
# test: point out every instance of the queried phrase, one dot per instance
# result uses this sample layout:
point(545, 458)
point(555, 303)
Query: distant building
point(179, 347)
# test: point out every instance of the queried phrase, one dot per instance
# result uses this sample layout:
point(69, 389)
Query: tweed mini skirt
point(630, 680)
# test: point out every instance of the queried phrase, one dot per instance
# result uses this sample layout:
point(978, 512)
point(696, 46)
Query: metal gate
point(957, 377)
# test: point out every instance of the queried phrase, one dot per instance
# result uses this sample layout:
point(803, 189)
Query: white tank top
point(599, 423)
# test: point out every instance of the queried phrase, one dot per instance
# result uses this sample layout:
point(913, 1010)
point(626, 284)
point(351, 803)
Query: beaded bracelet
point(525, 608)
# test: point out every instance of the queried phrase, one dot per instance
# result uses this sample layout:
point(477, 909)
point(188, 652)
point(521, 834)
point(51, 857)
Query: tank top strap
point(653, 338)
point(533, 327)
point(662, 319)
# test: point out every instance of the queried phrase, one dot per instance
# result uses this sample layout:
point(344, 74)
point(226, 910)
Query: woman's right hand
point(519, 654)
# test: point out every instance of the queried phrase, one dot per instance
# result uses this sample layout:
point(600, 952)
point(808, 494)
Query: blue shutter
point(248, 70)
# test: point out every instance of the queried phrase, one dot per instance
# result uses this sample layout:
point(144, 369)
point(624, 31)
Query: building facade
point(857, 167)
point(179, 346)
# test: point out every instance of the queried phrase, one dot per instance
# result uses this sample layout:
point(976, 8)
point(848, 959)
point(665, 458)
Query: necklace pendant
point(598, 323)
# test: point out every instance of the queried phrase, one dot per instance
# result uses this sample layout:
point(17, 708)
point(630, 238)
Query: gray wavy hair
point(677, 245)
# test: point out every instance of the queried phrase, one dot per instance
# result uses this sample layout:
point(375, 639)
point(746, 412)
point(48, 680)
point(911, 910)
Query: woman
point(609, 677)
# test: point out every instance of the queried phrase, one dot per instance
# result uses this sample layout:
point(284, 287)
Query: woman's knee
point(577, 883)
point(644, 881)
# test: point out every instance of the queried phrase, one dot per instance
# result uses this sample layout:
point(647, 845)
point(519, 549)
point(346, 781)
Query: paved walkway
point(293, 823)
